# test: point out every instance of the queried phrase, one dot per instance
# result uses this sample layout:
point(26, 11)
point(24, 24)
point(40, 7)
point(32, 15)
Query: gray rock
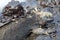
point(3, 20)
point(18, 31)
point(42, 37)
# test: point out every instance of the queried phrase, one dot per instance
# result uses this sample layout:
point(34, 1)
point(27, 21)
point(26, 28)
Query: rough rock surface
point(20, 30)
point(16, 31)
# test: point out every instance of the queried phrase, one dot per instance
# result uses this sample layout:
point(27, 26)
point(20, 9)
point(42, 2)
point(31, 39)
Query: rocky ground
point(41, 22)
point(53, 36)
